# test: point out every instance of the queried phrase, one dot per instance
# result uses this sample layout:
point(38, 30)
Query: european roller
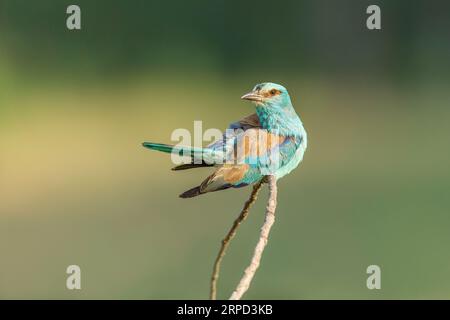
point(272, 141)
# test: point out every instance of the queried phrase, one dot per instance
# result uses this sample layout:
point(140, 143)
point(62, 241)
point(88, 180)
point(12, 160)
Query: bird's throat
point(279, 121)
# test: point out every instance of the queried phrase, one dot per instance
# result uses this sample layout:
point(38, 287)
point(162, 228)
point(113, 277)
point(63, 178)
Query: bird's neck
point(283, 121)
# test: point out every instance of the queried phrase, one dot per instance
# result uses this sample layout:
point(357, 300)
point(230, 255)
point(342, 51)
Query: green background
point(76, 187)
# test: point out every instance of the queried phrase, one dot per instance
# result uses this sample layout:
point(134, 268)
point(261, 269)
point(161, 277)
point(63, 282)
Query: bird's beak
point(252, 96)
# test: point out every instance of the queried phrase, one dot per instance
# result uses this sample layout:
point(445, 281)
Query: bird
point(271, 141)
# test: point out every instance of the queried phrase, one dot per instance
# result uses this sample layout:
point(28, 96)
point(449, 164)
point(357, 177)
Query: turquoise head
point(274, 108)
point(270, 95)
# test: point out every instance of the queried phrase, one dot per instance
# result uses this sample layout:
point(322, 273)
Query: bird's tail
point(158, 147)
point(207, 155)
point(191, 193)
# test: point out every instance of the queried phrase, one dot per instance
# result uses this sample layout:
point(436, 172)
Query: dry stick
point(265, 229)
point(226, 241)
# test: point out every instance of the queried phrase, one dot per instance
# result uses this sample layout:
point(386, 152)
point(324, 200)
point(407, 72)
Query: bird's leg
point(265, 179)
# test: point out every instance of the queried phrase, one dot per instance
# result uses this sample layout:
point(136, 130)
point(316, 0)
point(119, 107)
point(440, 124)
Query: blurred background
point(76, 187)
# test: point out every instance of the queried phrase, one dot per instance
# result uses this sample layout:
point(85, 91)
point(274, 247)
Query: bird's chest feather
point(281, 122)
point(286, 124)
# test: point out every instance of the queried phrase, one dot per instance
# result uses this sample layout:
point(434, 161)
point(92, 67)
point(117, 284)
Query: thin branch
point(231, 233)
point(244, 284)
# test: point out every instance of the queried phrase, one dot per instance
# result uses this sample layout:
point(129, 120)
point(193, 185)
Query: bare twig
point(231, 233)
point(265, 229)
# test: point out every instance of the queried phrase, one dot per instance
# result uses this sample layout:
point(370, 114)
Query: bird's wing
point(235, 128)
point(220, 147)
point(250, 159)
point(251, 121)
point(263, 150)
point(256, 146)
point(224, 177)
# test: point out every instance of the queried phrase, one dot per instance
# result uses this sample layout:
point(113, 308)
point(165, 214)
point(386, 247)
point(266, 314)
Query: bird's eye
point(273, 92)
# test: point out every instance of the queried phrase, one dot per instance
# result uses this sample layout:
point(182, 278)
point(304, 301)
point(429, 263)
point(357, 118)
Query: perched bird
point(270, 141)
